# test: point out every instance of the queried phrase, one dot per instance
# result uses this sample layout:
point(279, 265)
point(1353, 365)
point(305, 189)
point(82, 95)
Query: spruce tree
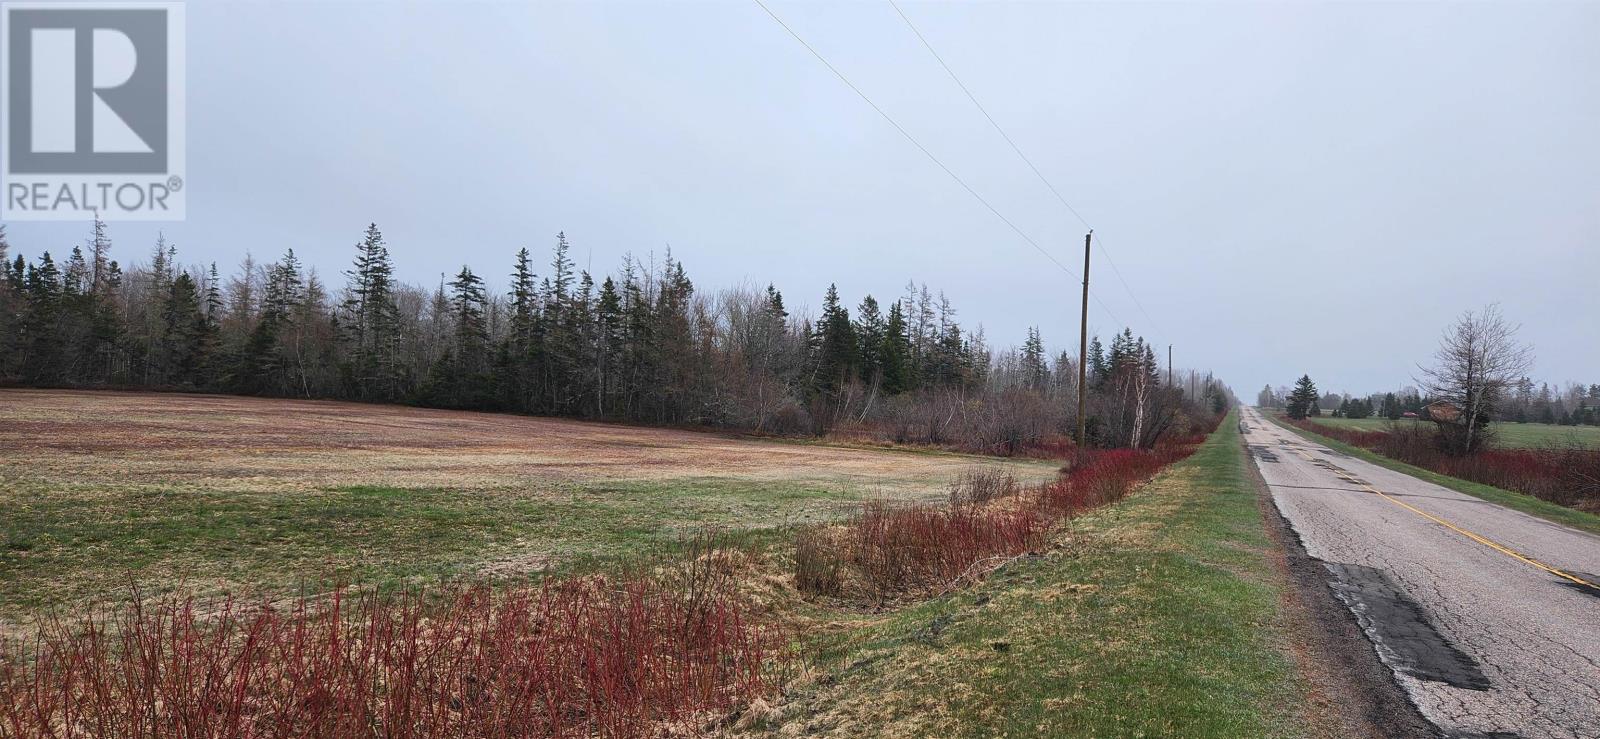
point(774, 324)
point(895, 353)
point(1303, 399)
point(373, 321)
point(1098, 367)
point(464, 384)
point(468, 303)
point(184, 333)
point(608, 344)
point(523, 302)
point(42, 360)
point(837, 353)
point(1034, 370)
point(869, 330)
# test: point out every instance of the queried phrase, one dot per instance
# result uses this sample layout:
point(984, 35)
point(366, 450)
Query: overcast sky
point(1286, 187)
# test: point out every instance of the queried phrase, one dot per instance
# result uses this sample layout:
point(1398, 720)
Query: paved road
point(1473, 606)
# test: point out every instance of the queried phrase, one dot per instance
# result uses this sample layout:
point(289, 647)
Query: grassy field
point(101, 490)
point(1513, 435)
point(1159, 616)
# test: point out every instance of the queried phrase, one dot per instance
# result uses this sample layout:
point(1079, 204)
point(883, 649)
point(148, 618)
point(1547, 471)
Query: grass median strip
point(1159, 615)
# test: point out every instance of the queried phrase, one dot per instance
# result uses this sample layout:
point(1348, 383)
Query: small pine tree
point(837, 352)
point(1303, 399)
point(895, 353)
point(869, 330)
point(1035, 372)
point(373, 323)
point(1098, 368)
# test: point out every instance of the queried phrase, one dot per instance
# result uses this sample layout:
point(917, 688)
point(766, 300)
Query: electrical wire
point(903, 132)
point(1105, 252)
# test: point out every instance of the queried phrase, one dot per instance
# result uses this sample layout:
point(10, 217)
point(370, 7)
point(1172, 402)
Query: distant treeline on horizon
point(643, 345)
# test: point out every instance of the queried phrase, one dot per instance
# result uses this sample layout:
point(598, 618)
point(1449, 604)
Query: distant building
point(1442, 411)
point(1408, 414)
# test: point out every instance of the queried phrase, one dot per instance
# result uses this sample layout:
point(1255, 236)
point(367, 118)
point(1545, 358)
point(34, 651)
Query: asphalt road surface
point(1489, 618)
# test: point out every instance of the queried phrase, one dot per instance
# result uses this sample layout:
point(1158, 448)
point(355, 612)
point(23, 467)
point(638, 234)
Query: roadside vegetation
point(575, 657)
point(891, 551)
point(1155, 616)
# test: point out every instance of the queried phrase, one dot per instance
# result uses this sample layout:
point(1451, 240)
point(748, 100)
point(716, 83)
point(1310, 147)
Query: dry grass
point(215, 492)
point(251, 443)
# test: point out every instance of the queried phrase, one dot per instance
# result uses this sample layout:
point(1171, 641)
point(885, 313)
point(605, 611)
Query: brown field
point(104, 489)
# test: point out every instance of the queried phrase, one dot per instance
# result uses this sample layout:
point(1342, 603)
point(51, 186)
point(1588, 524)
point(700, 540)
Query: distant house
point(1442, 411)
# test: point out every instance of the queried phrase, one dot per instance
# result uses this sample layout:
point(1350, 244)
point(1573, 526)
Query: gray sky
point(1287, 187)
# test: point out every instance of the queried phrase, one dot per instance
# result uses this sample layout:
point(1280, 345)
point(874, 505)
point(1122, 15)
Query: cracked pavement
point(1483, 643)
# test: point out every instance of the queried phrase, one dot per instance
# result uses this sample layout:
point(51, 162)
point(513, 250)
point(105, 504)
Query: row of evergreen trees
point(643, 345)
point(1353, 408)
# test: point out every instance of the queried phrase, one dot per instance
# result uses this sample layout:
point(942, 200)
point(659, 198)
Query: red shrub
point(896, 549)
point(1567, 476)
point(1100, 476)
point(570, 658)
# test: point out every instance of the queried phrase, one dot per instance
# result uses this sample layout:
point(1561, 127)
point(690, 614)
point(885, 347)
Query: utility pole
point(1083, 338)
point(1169, 365)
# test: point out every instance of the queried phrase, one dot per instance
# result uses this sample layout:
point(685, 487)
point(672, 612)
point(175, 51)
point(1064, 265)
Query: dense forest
point(643, 345)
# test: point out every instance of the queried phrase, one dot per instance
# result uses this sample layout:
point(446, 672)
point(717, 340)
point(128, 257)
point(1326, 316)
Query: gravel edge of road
point(1350, 686)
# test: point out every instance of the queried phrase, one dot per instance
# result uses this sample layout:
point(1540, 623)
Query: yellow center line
point(1501, 548)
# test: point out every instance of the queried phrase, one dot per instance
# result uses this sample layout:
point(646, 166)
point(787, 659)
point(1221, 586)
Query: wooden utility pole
point(1083, 339)
point(1169, 365)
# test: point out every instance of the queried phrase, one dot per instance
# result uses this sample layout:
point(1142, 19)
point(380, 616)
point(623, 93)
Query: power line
point(1024, 157)
point(929, 154)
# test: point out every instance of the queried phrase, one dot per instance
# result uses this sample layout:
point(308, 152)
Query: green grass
point(1159, 617)
point(1515, 501)
point(61, 546)
point(1510, 435)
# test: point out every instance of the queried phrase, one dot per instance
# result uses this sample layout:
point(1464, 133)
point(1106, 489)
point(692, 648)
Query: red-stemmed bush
point(572, 657)
point(894, 550)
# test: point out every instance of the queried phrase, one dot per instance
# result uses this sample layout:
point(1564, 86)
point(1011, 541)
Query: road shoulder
point(1350, 692)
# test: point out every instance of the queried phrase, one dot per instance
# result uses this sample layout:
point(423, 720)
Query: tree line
point(1303, 401)
point(642, 345)
point(1478, 376)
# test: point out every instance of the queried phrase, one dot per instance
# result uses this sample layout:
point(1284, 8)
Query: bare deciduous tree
point(1479, 357)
